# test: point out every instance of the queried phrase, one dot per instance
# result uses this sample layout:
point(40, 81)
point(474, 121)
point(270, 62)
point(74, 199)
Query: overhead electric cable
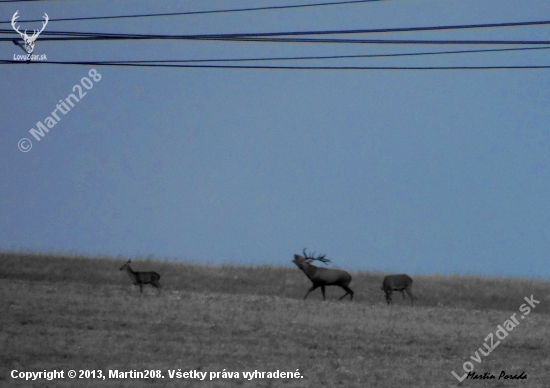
point(374, 30)
point(107, 63)
point(175, 61)
point(266, 8)
point(75, 36)
point(426, 53)
point(381, 41)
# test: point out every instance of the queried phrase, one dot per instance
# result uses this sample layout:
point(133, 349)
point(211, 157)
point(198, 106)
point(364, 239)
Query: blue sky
point(399, 171)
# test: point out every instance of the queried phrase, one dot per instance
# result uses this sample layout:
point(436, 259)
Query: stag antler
point(29, 41)
point(321, 258)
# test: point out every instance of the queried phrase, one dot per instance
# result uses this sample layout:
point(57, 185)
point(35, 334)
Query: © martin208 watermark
point(501, 333)
point(25, 144)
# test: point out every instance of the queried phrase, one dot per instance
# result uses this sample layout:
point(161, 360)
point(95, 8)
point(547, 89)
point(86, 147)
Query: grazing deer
point(397, 283)
point(142, 278)
point(321, 277)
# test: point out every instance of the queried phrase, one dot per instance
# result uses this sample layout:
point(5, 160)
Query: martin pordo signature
point(490, 376)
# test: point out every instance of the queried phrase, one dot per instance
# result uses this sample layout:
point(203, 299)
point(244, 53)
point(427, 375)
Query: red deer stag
point(321, 277)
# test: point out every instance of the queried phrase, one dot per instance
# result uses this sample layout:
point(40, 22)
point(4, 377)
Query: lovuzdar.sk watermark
point(501, 333)
point(29, 41)
point(30, 57)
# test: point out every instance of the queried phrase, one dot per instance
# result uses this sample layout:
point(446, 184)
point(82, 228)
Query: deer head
point(29, 40)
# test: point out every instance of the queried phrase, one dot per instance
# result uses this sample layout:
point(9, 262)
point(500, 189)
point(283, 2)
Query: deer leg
point(409, 292)
point(348, 291)
point(141, 288)
point(323, 291)
point(311, 289)
point(402, 293)
point(342, 297)
point(388, 296)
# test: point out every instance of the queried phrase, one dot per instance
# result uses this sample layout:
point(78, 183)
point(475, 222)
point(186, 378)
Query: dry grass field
point(76, 313)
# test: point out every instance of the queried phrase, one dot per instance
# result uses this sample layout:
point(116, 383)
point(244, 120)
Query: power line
point(397, 29)
point(268, 37)
point(267, 8)
point(59, 36)
point(339, 56)
point(358, 56)
point(173, 61)
point(383, 41)
point(275, 36)
point(356, 31)
point(130, 64)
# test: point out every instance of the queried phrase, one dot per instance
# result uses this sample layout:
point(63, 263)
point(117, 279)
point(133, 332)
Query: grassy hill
point(79, 313)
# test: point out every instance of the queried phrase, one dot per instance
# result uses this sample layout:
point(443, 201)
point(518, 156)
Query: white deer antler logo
point(29, 40)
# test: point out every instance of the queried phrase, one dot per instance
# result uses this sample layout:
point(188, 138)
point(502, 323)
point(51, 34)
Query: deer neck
point(309, 270)
point(130, 273)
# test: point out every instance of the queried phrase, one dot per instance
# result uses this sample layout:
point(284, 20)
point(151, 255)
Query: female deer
point(142, 278)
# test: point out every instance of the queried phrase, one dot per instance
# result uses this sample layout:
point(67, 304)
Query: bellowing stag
point(397, 283)
point(321, 277)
